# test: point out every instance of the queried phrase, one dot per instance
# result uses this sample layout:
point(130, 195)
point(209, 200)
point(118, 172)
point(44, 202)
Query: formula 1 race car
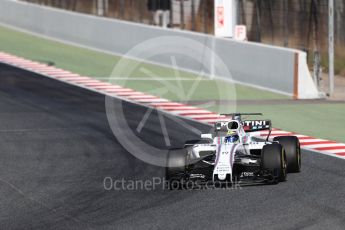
point(234, 153)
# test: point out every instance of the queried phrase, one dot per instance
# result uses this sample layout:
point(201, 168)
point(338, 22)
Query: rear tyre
point(273, 160)
point(293, 152)
point(175, 170)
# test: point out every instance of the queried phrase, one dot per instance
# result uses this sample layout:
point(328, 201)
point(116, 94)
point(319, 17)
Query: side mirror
point(206, 136)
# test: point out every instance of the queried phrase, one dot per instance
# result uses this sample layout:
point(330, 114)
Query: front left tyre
point(175, 170)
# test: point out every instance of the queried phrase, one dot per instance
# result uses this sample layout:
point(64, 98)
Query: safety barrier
point(262, 66)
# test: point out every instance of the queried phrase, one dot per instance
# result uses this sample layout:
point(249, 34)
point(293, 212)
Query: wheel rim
point(284, 164)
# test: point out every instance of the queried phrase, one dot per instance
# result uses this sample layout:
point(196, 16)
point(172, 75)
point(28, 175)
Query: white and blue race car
point(234, 153)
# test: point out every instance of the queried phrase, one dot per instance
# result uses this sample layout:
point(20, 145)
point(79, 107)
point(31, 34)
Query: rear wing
point(238, 116)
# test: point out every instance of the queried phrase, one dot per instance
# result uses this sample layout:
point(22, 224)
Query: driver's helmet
point(231, 137)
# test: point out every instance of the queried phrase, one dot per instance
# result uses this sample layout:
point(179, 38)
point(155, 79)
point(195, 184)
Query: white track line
point(324, 145)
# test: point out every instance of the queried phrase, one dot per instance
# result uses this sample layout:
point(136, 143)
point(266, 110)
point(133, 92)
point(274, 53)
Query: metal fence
point(300, 24)
point(192, 15)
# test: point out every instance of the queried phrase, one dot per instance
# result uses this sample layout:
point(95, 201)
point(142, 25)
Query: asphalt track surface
point(56, 148)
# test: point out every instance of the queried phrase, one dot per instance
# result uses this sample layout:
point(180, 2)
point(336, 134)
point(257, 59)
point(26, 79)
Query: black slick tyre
point(176, 168)
point(292, 148)
point(273, 160)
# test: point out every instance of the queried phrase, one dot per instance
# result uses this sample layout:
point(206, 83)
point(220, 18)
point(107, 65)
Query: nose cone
point(222, 176)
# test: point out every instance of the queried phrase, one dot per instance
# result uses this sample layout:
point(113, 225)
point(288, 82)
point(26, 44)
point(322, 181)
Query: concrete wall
point(254, 64)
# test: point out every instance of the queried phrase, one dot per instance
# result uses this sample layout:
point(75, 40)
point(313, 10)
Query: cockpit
point(223, 128)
